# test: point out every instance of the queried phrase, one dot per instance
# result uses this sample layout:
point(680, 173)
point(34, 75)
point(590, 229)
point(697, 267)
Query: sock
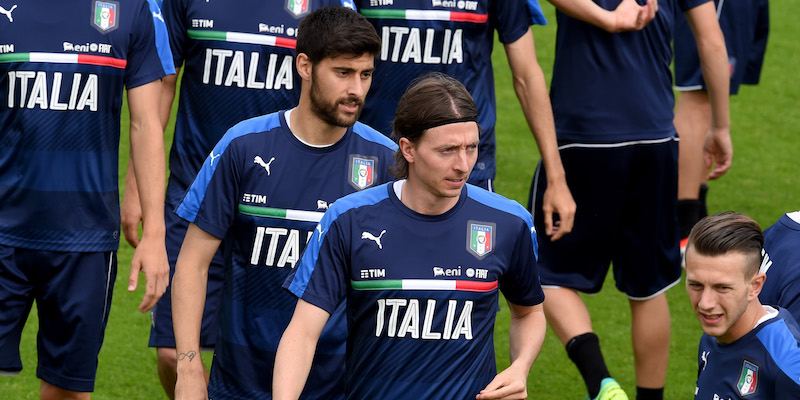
point(702, 198)
point(688, 215)
point(584, 351)
point(649, 394)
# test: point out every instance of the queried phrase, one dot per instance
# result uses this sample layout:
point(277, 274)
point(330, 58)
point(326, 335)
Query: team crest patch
point(105, 15)
point(298, 8)
point(480, 238)
point(362, 171)
point(748, 380)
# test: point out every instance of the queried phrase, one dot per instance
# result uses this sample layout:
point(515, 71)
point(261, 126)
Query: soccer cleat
point(684, 242)
point(610, 390)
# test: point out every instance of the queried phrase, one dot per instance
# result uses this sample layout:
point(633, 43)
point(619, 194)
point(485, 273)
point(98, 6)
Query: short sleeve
point(143, 64)
point(174, 12)
point(321, 277)
point(520, 283)
point(212, 199)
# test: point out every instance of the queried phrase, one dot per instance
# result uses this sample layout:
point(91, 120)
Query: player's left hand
point(131, 216)
point(718, 152)
point(558, 200)
point(150, 258)
point(509, 384)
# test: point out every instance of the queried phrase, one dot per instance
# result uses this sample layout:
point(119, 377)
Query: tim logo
point(480, 238)
point(105, 15)
point(373, 273)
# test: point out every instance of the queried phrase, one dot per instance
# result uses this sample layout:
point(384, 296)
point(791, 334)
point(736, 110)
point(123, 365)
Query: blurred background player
point(748, 350)
point(456, 38)
point(782, 264)
point(63, 81)
point(420, 326)
point(619, 150)
point(263, 189)
point(745, 25)
point(238, 63)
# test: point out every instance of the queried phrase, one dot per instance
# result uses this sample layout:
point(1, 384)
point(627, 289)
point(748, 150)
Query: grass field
point(764, 182)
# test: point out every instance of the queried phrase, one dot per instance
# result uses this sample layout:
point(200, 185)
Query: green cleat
point(610, 390)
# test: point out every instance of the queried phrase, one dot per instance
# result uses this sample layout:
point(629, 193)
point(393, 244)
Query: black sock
point(584, 351)
point(702, 198)
point(688, 215)
point(649, 394)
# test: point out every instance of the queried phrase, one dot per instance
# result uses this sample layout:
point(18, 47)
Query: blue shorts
point(745, 24)
point(73, 297)
point(161, 331)
point(626, 196)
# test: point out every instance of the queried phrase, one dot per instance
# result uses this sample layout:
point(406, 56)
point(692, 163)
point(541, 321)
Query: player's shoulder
point(367, 197)
point(255, 125)
point(781, 340)
point(370, 134)
point(499, 202)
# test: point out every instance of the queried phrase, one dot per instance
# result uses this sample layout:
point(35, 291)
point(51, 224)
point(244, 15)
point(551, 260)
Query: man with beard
point(259, 190)
point(246, 54)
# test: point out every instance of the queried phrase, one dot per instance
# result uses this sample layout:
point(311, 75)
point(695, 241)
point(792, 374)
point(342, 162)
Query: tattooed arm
point(188, 299)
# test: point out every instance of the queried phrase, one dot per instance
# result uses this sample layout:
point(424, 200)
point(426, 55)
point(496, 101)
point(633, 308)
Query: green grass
point(764, 182)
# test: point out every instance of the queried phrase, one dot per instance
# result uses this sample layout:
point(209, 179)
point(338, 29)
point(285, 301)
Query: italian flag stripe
point(427, 15)
point(64, 59)
point(238, 37)
point(424, 284)
point(294, 215)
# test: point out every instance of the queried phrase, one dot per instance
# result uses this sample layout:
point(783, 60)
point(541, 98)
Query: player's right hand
point(630, 16)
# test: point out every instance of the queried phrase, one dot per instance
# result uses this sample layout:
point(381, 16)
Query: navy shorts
point(161, 331)
point(626, 196)
point(745, 24)
point(73, 297)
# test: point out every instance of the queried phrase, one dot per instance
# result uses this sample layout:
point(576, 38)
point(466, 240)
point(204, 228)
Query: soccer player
point(456, 38)
point(238, 63)
point(261, 190)
point(782, 264)
point(748, 350)
point(63, 78)
point(612, 102)
point(745, 25)
point(420, 262)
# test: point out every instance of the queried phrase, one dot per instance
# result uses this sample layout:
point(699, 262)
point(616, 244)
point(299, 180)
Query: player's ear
point(303, 65)
point(406, 148)
point(756, 284)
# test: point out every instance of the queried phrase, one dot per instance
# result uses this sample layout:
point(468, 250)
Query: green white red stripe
point(294, 215)
point(239, 37)
point(424, 284)
point(61, 58)
point(427, 15)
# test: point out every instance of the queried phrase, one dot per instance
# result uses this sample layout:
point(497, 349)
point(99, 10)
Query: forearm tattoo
point(189, 354)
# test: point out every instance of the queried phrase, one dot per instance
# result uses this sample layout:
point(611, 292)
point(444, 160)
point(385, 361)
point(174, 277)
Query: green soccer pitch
point(764, 182)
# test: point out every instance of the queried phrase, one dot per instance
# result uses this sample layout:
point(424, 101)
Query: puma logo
point(367, 235)
point(159, 16)
point(260, 161)
point(213, 157)
point(7, 13)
